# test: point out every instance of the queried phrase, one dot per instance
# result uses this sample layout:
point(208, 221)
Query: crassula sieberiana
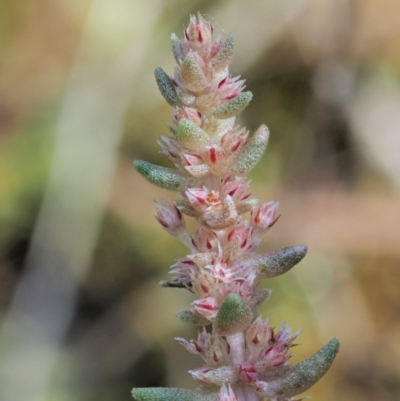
point(243, 357)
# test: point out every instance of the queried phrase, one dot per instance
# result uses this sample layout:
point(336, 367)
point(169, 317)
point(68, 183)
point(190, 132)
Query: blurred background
point(82, 316)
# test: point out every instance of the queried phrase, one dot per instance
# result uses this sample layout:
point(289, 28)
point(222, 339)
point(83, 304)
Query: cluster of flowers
point(244, 358)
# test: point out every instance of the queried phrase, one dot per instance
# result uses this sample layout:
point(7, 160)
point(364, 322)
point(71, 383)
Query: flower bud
point(170, 217)
point(218, 376)
point(264, 216)
point(199, 32)
point(247, 372)
point(206, 307)
point(221, 216)
point(226, 394)
point(197, 198)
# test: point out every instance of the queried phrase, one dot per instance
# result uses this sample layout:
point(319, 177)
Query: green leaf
point(192, 76)
point(166, 87)
point(233, 316)
point(194, 318)
point(279, 262)
point(225, 54)
point(161, 176)
point(191, 136)
point(288, 381)
point(173, 394)
point(232, 107)
point(252, 152)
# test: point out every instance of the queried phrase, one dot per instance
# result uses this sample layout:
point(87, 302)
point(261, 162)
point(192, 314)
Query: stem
point(246, 394)
point(236, 343)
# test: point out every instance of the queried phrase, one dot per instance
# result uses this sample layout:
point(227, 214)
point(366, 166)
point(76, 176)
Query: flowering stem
point(237, 345)
point(245, 359)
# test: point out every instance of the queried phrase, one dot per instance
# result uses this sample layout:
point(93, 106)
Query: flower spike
point(243, 357)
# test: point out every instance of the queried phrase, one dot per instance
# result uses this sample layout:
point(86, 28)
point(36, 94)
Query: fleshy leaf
point(194, 318)
point(192, 76)
point(191, 136)
point(225, 54)
point(233, 106)
point(260, 296)
point(161, 176)
point(279, 262)
point(166, 87)
point(176, 49)
point(233, 316)
point(173, 394)
point(252, 152)
point(288, 381)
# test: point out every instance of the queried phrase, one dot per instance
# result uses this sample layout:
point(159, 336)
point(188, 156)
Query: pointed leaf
point(233, 316)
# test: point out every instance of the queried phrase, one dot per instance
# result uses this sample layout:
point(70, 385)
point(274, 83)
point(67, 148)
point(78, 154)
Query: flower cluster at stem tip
point(244, 358)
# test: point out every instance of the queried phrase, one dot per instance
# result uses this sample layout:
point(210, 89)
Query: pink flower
point(170, 218)
point(226, 394)
point(264, 217)
point(207, 307)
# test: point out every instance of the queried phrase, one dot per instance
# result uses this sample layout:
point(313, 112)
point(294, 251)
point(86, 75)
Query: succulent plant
point(244, 358)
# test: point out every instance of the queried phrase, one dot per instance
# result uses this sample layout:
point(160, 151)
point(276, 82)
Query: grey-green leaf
point(166, 87)
point(279, 262)
point(192, 76)
point(225, 54)
point(288, 381)
point(194, 318)
point(176, 49)
point(252, 152)
point(173, 394)
point(232, 107)
point(191, 136)
point(161, 176)
point(233, 316)
point(260, 296)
